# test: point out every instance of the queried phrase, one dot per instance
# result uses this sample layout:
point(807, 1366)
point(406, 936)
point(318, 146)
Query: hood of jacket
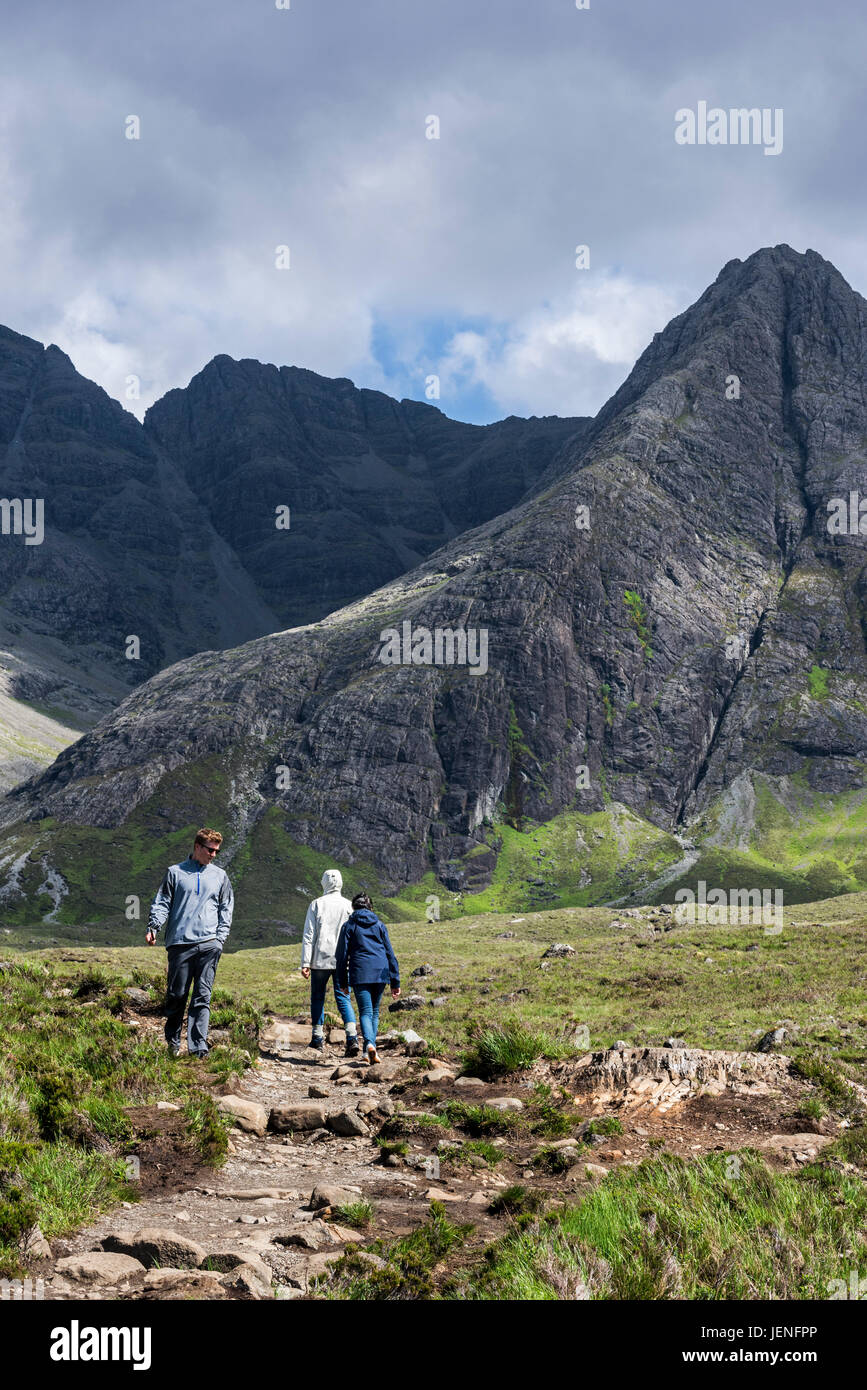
point(364, 916)
point(332, 880)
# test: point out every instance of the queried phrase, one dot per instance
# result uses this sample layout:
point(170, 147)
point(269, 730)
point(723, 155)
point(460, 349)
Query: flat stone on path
point(248, 1114)
point(252, 1278)
point(282, 1034)
point(285, 1119)
point(381, 1071)
point(154, 1245)
point(794, 1145)
point(185, 1282)
point(506, 1103)
point(99, 1267)
point(326, 1195)
point(347, 1122)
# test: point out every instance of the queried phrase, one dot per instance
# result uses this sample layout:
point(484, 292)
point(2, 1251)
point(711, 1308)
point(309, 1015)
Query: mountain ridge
point(647, 663)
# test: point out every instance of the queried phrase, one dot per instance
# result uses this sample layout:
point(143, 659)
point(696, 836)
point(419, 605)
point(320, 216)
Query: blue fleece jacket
point(194, 903)
point(364, 954)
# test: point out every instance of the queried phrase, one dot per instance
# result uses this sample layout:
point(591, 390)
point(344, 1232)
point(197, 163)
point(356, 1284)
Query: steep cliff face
point(167, 534)
point(125, 548)
point(669, 615)
point(372, 485)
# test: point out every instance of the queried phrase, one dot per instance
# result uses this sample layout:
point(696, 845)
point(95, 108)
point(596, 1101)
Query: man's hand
point(395, 993)
point(151, 938)
point(305, 972)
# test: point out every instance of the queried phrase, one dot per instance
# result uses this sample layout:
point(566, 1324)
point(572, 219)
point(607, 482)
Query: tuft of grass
point(685, 1229)
point(208, 1128)
point(606, 1124)
point(556, 1161)
point(408, 1264)
point(811, 1109)
point(830, 1079)
point(502, 1048)
point(516, 1201)
point(851, 1146)
point(387, 1147)
point(480, 1120)
point(358, 1215)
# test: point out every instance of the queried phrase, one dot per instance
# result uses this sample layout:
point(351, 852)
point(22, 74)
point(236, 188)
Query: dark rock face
point(127, 549)
point(373, 485)
point(667, 649)
point(168, 532)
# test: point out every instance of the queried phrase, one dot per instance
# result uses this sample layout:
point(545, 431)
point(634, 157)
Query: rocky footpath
point(305, 1159)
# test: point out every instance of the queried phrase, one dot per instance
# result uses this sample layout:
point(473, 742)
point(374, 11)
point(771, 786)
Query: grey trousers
point(194, 965)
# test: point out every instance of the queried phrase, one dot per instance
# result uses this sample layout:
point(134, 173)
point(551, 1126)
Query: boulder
point(411, 1001)
point(422, 970)
point(139, 997)
point(287, 1119)
point(282, 1034)
point(801, 1147)
point(318, 1092)
point(558, 950)
point(590, 1170)
point(225, 1258)
point(248, 1115)
point(99, 1267)
point(329, 1195)
point(156, 1245)
point(184, 1283)
point(506, 1103)
point(381, 1071)
point(252, 1279)
point(37, 1247)
point(469, 1081)
point(347, 1122)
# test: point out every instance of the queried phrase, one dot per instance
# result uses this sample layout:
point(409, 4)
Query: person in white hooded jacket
point(322, 928)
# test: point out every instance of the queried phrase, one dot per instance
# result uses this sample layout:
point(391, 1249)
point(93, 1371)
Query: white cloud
point(551, 362)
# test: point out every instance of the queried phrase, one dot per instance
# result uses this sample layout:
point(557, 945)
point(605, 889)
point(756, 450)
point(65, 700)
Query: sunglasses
point(210, 849)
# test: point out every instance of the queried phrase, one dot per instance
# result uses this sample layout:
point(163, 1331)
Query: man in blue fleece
point(194, 904)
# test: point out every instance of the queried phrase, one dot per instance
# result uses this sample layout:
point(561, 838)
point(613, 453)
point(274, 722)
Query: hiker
point(322, 927)
point(194, 904)
point(365, 958)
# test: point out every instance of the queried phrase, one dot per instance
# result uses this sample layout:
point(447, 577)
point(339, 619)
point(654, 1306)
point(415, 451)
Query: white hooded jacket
point(325, 917)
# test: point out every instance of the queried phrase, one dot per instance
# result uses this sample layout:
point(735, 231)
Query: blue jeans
point(367, 998)
point(318, 986)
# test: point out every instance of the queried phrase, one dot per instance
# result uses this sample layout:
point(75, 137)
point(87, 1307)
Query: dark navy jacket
point(364, 953)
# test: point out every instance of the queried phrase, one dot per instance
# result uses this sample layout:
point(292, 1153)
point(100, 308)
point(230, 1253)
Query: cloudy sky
point(307, 127)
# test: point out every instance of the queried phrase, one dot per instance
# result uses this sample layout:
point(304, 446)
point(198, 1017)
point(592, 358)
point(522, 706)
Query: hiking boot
point(318, 1044)
point(372, 1055)
point(173, 1049)
point(351, 1049)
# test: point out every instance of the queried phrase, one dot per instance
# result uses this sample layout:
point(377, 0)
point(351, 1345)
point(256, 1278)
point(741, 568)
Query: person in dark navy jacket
point(365, 960)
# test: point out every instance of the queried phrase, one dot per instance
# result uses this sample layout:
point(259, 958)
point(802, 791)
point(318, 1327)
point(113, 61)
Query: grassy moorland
point(671, 1226)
